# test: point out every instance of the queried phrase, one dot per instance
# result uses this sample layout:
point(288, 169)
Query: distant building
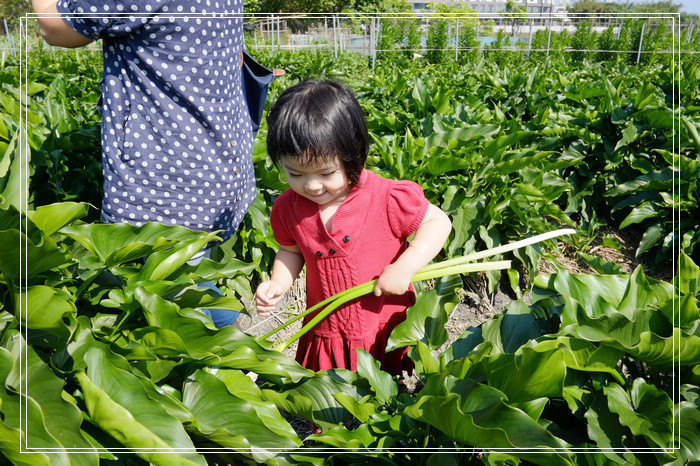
point(492, 7)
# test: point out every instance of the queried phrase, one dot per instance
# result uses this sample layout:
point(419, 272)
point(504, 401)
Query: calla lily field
point(105, 357)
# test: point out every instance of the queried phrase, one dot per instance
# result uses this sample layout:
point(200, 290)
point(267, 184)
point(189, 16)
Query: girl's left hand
point(393, 280)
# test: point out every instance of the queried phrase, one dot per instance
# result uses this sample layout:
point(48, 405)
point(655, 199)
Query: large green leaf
point(597, 295)
point(678, 349)
point(465, 343)
point(496, 147)
point(629, 134)
point(206, 298)
point(609, 435)
point(208, 270)
point(644, 211)
point(623, 311)
point(478, 415)
point(17, 413)
point(14, 172)
point(162, 265)
point(421, 95)
point(653, 236)
point(246, 388)
point(583, 355)
point(249, 426)
point(118, 243)
point(361, 438)
point(314, 398)
point(425, 320)
point(61, 420)
point(440, 165)
point(647, 95)
point(521, 159)
point(529, 374)
point(688, 277)
point(645, 293)
point(384, 386)
point(687, 417)
point(71, 357)
point(654, 180)
point(48, 309)
point(53, 217)
point(25, 251)
point(647, 411)
point(456, 136)
point(465, 224)
point(362, 410)
point(511, 329)
point(118, 403)
point(174, 332)
point(426, 362)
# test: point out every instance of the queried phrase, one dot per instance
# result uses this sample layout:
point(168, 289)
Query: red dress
point(369, 232)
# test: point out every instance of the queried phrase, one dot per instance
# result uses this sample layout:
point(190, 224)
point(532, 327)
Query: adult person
point(176, 133)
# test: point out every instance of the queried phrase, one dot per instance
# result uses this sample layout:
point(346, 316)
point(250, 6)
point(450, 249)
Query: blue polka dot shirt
point(176, 133)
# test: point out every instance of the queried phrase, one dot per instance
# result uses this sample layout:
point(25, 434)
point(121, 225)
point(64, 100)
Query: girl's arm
point(288, 263)
point(53, 29)
point(429, 239)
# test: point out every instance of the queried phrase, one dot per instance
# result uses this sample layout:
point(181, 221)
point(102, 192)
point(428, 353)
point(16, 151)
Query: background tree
point(326, 6)
point(12, 10)
point(515, 14)
point(597, 6)
point(588, 6)
point(467, 27)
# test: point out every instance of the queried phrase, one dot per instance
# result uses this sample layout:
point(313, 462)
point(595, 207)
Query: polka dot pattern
point(176, 133)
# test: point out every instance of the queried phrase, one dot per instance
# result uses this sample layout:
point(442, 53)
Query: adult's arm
point(54, 29)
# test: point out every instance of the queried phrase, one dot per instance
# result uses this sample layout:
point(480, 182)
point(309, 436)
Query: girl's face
point(324, 183)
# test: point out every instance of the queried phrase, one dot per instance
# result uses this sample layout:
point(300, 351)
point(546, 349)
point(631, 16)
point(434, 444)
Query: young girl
point(348, 226)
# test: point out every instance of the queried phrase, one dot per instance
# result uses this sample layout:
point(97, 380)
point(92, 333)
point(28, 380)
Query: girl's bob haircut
point(317, 121)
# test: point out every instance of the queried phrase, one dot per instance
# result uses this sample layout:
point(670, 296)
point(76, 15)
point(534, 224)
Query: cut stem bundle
point(459, 265)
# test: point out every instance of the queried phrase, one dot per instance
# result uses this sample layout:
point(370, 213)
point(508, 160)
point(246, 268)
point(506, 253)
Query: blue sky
point(691, 6)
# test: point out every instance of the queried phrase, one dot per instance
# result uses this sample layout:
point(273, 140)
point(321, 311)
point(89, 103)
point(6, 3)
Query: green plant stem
point(312, 309)
point(368, 287)
point(86, 284)
point(117, 327)
point(499, 249)
point(429, 268)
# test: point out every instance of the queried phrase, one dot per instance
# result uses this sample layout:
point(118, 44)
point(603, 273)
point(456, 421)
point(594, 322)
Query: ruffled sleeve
point(109, 18)
point(279, 220)
point(406, 206)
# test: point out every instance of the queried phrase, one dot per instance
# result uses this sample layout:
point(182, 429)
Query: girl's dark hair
point(316, 121)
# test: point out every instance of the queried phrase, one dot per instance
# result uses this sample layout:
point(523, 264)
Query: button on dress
point(176, 133)
point(369, 232)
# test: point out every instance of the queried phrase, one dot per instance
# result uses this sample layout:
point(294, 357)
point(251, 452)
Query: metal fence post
point(10, 40)
point(641, 40)
point(271, 29)
point(372, 44)
point(335, 38)
point(549, 35)
point(340, 37)
point(457, 40)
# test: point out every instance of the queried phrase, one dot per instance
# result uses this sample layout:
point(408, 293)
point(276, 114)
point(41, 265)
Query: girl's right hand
point(267, 296)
